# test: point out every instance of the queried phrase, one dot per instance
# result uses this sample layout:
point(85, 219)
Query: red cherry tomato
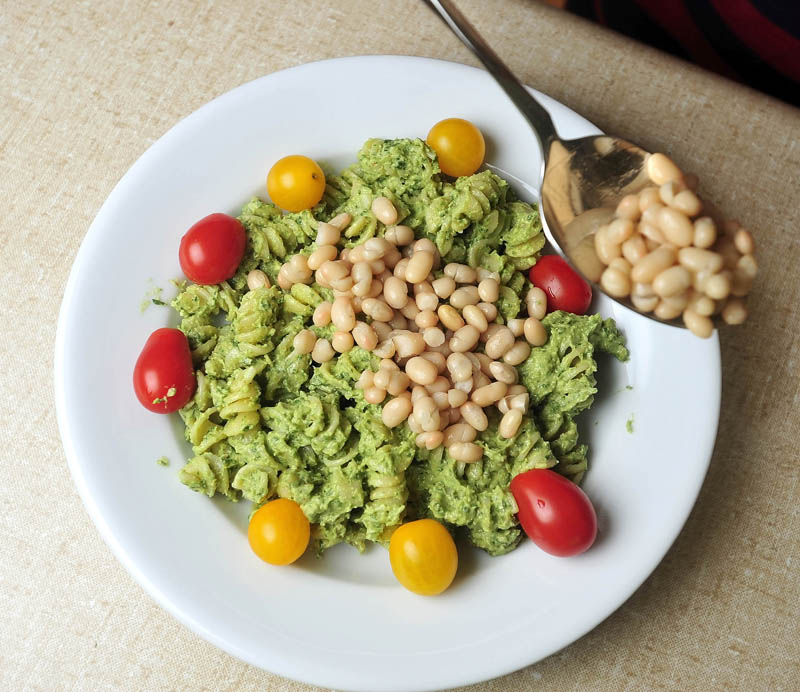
point(163, 378)
point(211, 250)
point(554, 512)
point(564, 287)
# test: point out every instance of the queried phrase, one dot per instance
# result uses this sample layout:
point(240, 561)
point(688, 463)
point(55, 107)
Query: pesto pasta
point(266, 421)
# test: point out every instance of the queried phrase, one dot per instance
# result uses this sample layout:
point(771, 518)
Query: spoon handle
point(530, 108)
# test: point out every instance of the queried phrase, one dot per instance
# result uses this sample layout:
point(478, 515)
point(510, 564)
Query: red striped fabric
point(676, 20)
point(779, 49)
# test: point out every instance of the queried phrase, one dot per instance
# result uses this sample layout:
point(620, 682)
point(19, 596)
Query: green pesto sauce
point(266, 422)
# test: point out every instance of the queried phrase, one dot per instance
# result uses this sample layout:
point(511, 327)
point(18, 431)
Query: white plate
point(343, 621)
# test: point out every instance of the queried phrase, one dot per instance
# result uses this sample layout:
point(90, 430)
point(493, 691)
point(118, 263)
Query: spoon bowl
point(581, 181)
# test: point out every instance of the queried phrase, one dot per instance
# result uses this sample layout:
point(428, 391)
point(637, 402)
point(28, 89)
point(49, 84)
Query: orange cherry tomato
point(279, 532)
point(423, 556)
point(295, 183)
point(459, 145)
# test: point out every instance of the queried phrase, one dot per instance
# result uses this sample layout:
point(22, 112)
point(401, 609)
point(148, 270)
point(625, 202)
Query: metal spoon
point(581, 180)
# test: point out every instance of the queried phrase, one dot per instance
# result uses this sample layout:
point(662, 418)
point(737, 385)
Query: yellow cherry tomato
point(279, 532)
point(459, 145)
point(423, 556)
point(295, 183)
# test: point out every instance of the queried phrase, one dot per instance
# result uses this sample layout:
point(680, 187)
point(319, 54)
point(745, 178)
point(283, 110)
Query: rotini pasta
point(266, 421)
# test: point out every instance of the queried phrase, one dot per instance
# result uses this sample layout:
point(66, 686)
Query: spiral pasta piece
point(241, 406)
point(522, 236)
point(207, 473)
point(302, 299)
point(470, 200)
point(254, 323)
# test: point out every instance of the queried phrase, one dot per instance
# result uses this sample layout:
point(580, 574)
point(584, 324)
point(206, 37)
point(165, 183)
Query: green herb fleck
point(162, 461)
point(629, 424)
point(151, 297)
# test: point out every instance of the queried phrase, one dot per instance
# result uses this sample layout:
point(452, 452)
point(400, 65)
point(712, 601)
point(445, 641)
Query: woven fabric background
point(87, 86)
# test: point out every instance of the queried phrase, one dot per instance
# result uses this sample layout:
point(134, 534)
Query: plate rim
point(509, 664)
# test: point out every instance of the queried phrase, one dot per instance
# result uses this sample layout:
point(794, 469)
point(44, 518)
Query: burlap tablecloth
point(87, 86)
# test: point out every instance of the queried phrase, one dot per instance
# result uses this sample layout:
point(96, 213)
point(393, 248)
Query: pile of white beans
point(425, 330)
point(673, 261)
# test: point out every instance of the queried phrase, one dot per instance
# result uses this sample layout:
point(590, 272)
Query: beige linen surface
point(87, 86)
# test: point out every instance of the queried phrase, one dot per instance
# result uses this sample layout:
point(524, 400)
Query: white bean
point(444, 286)
point(509, 425)
point(341, 221)
point(395, 292)
point(384, 210)
point(433, 336)
point(661, 169)
point(699, 325)
point(605, 248)
point(427, 301)
point(687, 202)
point(676, 227)
point(461, 273)
point(257, 279)
point(634, 248)
point(467, 452)
point(699, 260)
point(399, 235)
point(672, 281)
point(466, 295)
point(465, 338)
point(615, 282)
point(717, 286)
point(322, 314)
point(327, 234)
point(365, 336)
point(419, 266)
point(652, 264)
point(474, 316)
point(459, 366)
point(488, 394)
point(474, 415)
point(460, 432)
point(377, 310)
point(430, 440)
point(499, 343)
point(489, 290)
point(628, 208)
point(421, 371)
point(489, 310)
point(396, 411)
point(304, 341)
point(450, 318)
point(503, 372)
point(342, 314)
point(735, 311)
point(644, 303)
point(427, 413)
point(518, 353)
point(705, 232)
point(408, 344)
point(535, 332)
point(536, 302)
point(743, 240)
point(322, 351)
